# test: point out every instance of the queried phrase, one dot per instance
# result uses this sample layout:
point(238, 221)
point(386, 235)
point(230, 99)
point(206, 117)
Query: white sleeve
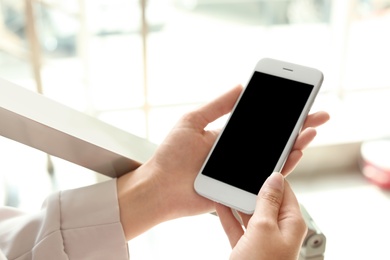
point(83, 223)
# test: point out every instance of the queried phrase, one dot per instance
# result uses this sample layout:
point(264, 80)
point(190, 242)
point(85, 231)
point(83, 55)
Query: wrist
point(148, 197)
point(140, 205)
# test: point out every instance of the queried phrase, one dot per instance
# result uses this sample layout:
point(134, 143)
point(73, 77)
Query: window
point(190, 51)
point(142, 79)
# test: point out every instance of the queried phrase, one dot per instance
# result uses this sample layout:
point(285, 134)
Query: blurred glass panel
point(207, 47)
point(367, 48)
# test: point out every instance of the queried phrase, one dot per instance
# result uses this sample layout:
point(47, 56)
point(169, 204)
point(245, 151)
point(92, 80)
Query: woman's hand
point(276, 229)
point(165, 183)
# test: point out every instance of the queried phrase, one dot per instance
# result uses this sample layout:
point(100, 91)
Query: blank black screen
point(257, 132)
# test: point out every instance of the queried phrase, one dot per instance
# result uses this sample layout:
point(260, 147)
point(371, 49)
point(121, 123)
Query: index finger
point(316, 119)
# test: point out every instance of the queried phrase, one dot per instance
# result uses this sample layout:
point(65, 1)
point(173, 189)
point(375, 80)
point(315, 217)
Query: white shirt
point(83, 223)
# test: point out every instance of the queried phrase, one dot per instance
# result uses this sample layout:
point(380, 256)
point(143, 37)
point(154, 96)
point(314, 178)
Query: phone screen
point(257, 132)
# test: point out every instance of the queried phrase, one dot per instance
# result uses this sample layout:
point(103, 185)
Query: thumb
point(270, 197)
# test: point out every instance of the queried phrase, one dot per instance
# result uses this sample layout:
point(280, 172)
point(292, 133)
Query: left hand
point(179, 158)
point(172, 170)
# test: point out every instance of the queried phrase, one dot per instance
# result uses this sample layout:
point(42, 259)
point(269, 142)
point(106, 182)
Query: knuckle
point(263, 223)
point(273, 199)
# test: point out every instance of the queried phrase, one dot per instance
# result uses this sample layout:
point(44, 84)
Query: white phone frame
point(234, 197)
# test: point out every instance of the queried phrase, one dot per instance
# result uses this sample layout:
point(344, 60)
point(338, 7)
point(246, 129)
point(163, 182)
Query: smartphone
point(259, 133)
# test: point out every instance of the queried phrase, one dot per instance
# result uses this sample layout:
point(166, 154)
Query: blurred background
point(140, 64)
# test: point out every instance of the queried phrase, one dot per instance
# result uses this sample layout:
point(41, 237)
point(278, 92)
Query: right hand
point(276, 229)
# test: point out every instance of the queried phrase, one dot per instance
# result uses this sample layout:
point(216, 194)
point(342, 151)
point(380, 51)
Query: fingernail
point(275, 181)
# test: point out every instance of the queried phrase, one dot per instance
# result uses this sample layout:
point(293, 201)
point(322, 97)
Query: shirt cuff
point(90, 223)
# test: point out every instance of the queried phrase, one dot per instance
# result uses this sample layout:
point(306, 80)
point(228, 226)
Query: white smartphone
point(259, 134)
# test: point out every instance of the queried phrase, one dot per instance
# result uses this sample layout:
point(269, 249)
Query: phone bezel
point(237, 198)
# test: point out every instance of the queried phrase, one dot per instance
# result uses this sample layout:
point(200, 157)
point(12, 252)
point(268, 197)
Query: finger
point(270, 198)
point(219, 106)
point(304, 138)
point(244, 218)
point(230, 224)
point(316, 119)
point(292, 161)
point(296, 154)
point(292, 223)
